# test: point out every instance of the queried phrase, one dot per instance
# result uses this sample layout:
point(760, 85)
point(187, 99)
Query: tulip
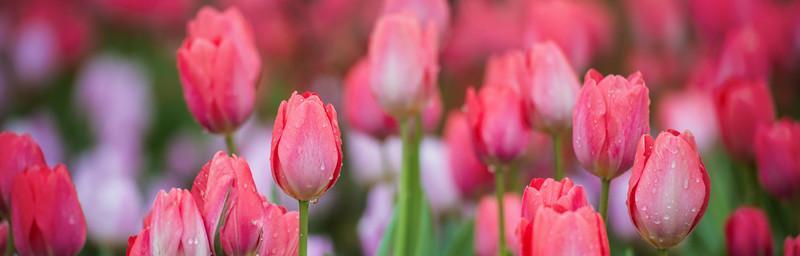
point(499, 128)
point(435, 12)
point(17, 153)
point(690, 110)
point(566, 232)
point(3, 235)
point(148, 12)
point(550, 89)
point(669, 188)
point(657, 23)
point(486, 224)
point(280, 231)
point(376, 217)
point(174, 226)
point(791, 247)
point(777, 147)
point(508, 69)
point(747, 232)
point(41, 126)
point(467, 171)
point(46, 216)
point(548, 193)
point(403, 63)
point(219, 68)
point(244, 220)
point(742, 107)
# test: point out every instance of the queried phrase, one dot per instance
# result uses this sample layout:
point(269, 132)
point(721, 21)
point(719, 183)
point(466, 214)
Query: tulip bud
point(611, 114)
point(306, 154)
point(219, 68)
point(548, 193)
point(403, 63)
point(486, 231)
point(556, 231)
point(500, 130)
point(244, 222)
point(669, 188)
point(777, 147)
point(550, 89)
point(280, 230)
point(742, 106)
point(747, 232)
point(508, 69)
point(46, 216)
point(469, 174)
point(174, 226)
point(791, 247)
point(17, 153)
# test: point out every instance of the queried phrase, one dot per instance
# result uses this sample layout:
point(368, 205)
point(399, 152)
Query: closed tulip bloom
point(403, 63)
point(551, 88)
point(669, 188)
point(612, 113)
point(46, 217)
point(486, 231)
point(499, 127)
point(435, 12)
point(306, 153)
point(244, 221)
point(508, 69)
point(791, 247)
point(174, 226)
point(557, 231)
point(280, 230)
point(219, 68)
point(548, 193)
point(469, 174)
point(777, 146)
point(212, 186)
point(17, 153)
point(742, 106)
point(747, 233)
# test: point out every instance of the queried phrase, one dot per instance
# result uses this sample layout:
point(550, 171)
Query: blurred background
point(95, 83)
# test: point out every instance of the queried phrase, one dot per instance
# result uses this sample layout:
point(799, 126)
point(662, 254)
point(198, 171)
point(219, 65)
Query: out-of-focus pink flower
point(619, 220)
point(611, 114)
point(747, 232)
point(468, 173)
point(42, 128)
point(550, 88)
point(362, 109)
point(657, 23)
point(791, 247)
point(556, 232)
point(486, 231)
point(669, 188)
point(148, 12)
point(17, 153)
point(690, 110)
point(664, 69)
point(174, 226)
point(436, 12)
point(376, 217)
point(319, 245)
point(280, 230)
point(742, 106)
point(219, 68)
point(4, 234)
point(46, 216)
point(437, 180)
point(499, 127)
point(581, 28)
point(306, 149)
point(507, 69)
point(275, 33)
point(365, 158)
point(744, 56)
point(777, 146)
point(403, 63)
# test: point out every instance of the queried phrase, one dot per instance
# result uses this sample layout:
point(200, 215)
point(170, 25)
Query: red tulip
point(791, 247)
point(747, 232)
point(742, 106)
point(46, 216)
point(499, 127)
point(3, 235)
point(280, 231)
point(611, 115)
point(469, 174)
point(486, 231)
point(306, 153)
point(551, 88)
point(174, 226)
point(219, 68)
point(669, 188)
point(403, 63)
point(657, 24)
point(17, 153)
point(744, 56)
point(557, 231)
point(777, 147)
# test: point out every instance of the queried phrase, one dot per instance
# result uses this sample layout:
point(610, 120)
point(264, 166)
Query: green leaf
point(388, 236)
point(461, 241)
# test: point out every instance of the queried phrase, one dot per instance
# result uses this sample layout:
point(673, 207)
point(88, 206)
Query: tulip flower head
point(747, 232)
point(742, 106)
point(791, 247)
point(17, 153)
point(499, 127)
point(174, 226)
point(550, 89)
point(486, 231)
point(777, 147)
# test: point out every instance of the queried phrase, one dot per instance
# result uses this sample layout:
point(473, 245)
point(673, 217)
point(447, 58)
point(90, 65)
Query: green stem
point(499, 190)
point(301, 250)
point(10, 239)
point(409, 190)
point(229, 142)
point(663, 252)
point(557, 156)
point(604, 198)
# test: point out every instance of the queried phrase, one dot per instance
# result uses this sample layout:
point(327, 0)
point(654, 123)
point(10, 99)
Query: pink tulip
point(212, 186)
point(557, 231)
point(306, 154)
point(244, 219)
point(174, 226)
point(508, 69)
point(742, 106)
point(17, 153)
point(657, 23)
point(280, 231)
point(791, 247)
point(548, 193)
point(551, 88)
point(147, 12)
point(469, 174)
point(669, 188)
point(376, 217)
point(690, 110)
point(46, 216)
point(747, 232)
point(499, 127)
point(744, 56)
point(435, 12)
point(610, 116)
point(219, 68)
point(3, 235)
point(403, 63)
point(486, 231)
point(275, 33)
point(777, 147)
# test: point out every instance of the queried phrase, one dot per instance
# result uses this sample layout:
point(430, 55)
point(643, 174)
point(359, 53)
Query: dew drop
point(666, 217)
point(697, 180)
point(322, 167)
point(657, 222)
point(686, 184)
point(694, 209)
point(644, 208)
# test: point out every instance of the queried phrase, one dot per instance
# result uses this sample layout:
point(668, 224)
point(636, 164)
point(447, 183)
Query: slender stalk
point(557, 155)
point(229, 142)
point(301, 250)
point(10, 239)
point(662, 252)
point(604, 198)
point(409, 189)
point(499, 190)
